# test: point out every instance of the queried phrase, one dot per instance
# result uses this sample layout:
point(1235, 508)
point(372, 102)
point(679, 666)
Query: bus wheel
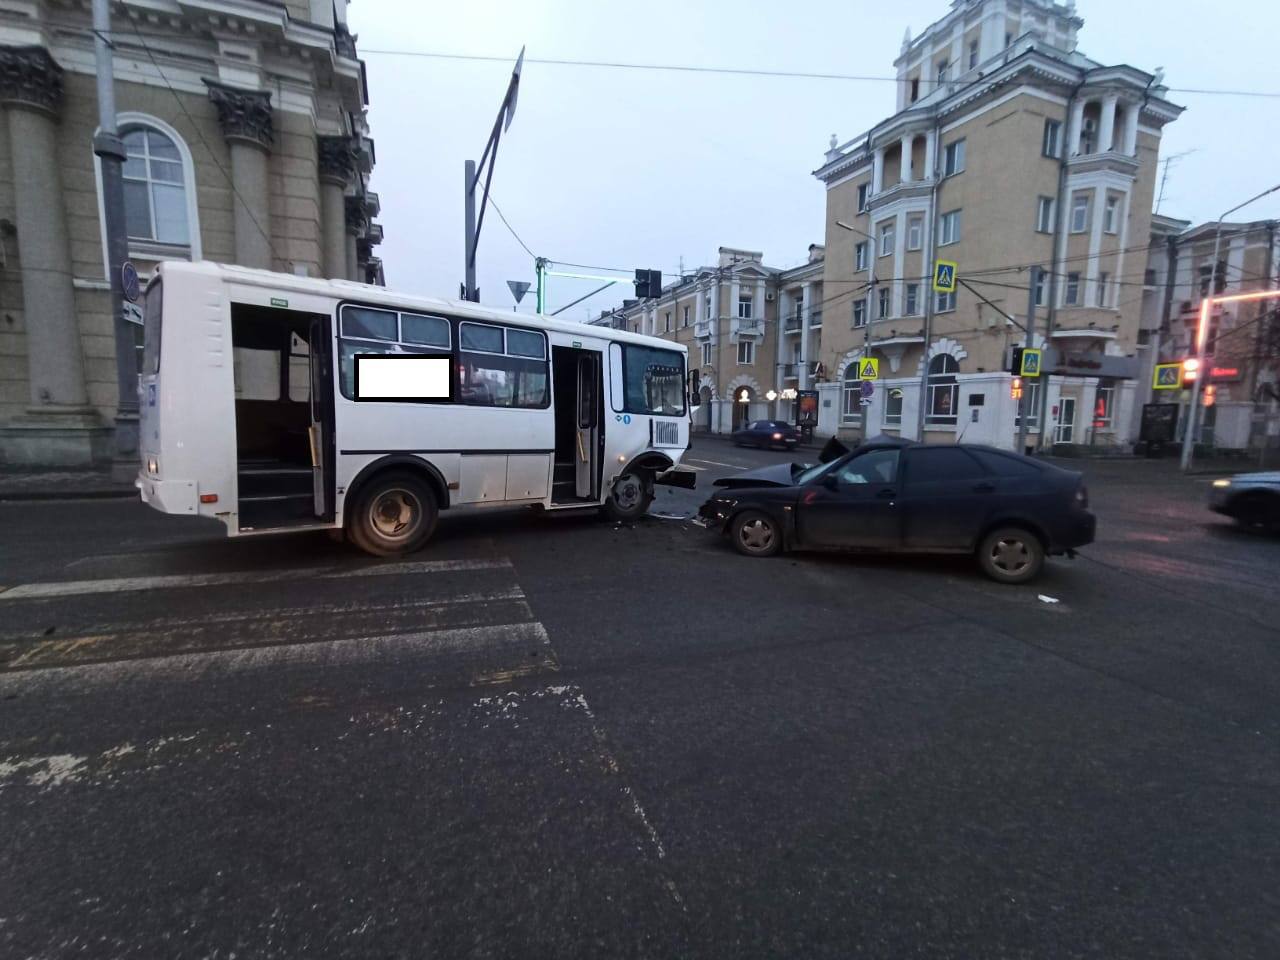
point(630, 497)
point(394, 514)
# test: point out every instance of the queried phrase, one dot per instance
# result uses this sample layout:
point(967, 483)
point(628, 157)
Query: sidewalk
point(53, 483)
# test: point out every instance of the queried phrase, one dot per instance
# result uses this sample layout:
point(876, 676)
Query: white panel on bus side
point(483, 478)
point(528, 476)
point(617, 399)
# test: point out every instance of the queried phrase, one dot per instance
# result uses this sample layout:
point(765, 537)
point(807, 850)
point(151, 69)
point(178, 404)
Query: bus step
point(273, 497)
point(268, 483)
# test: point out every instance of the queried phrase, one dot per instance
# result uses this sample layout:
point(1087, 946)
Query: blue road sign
point(129, 281)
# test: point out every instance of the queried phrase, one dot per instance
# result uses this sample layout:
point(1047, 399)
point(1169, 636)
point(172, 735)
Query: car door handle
point(886, 494)
point(985, 486)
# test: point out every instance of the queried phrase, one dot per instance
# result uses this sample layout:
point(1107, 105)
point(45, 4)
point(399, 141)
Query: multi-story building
point(1009, 149)
point(752, 333)
point(244, 126)
point(1242, 348)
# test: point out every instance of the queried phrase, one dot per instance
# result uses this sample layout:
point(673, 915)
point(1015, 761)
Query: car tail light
point(777, 436)
point(1082, 496)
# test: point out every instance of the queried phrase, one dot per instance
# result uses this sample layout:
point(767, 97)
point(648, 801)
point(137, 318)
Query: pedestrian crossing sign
point(944, 276)
point(1168, 376)
point(1030, 362)
point(868, 368)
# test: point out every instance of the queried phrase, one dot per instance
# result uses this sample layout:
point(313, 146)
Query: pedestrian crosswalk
point(457, 620)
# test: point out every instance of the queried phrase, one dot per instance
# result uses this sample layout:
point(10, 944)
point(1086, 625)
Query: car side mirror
point(830, 482)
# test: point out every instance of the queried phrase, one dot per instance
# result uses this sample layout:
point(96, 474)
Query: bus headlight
point(153, 466)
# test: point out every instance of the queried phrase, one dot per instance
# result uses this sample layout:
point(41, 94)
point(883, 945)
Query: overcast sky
point(637, 168)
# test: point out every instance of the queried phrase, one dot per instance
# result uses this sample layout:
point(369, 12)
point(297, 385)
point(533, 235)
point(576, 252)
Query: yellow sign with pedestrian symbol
point(868, 368)
point(1168, 376)
point(944, 276)
point(1030, 362)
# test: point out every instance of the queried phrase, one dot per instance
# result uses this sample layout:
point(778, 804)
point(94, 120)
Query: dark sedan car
point(767, 433)
point(897, 496)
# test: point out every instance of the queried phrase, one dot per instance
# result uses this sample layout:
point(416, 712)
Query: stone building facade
point(244, 125)
point(752, 332)
point(1009, 148)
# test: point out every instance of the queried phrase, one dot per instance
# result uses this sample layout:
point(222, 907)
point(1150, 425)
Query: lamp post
point(866, 326)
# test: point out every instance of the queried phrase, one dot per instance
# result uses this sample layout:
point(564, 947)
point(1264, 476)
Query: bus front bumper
point(677, 477)
point(167, 496)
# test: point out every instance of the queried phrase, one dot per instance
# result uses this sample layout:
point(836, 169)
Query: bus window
point(502, 367)
point(428, 331)
point(369, 324)
point(151, 326)
point(653, 381)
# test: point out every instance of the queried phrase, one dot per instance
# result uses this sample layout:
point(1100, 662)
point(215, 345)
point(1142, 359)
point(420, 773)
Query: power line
point(503, 217)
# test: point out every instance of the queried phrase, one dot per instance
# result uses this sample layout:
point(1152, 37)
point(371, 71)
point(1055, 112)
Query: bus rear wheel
point(629, 497)
point(393, 514)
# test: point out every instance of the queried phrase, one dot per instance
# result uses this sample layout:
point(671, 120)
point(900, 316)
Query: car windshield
point(810, 474)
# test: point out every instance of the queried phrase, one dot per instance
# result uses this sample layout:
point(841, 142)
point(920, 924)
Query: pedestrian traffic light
point(1015, 388)
point(1190, 370)
point(1210, 394)
point(648, 284)
point(1015, 361)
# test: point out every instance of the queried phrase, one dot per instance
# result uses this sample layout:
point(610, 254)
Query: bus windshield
point(151, 328)
point(653, 381)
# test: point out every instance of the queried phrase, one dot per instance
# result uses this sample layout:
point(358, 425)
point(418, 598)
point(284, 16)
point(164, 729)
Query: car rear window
point(1006, 465)
point(941, 464)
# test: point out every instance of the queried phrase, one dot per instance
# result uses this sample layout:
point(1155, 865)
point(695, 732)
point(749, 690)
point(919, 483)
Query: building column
point(60, 427)
point(805, 314)
point(1130, 144)
point(877, 171)
point(905, 171)
point(336, 157)
point(930, 148)
point(1075, 128)
point(1107, 126)
point(357, 222)
point(245, 118)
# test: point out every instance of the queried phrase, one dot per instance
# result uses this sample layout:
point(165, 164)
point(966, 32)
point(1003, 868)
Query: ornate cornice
point(337, 156)
point(29, 77)
point(244, 115)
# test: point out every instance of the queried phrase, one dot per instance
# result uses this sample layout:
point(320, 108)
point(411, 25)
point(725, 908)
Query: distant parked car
point(897, 496)
point(1251, 499)
point(767, 433)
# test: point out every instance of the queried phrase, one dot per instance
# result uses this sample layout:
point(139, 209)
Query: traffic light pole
point(1031, 332)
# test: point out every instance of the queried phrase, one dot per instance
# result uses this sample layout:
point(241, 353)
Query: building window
point(636, 327)
point(155, 187)
point(860, 257)
point(949, 228)
point(1040, 288)
point(886, 238)
point(1008, 40)
point(1104, 406)
point(707, 305)
point(860, 312)
point(893, 407)
point(851, 395)
point(1044, 214)
point(1080, 213)
point(667, 320)
point(913, 299)
point(1104, 279)
point(941, 74)
point(863, 190)
point(1051, 146)
point(1149, 277)
point(1219, 278)
point(1072, 296)
point(946, 302)
point(1111, 215)
point(944, 392)
point(883, 306)
point(686, 315)
point(915, 233)
point(915, 89)
point(744, 306)
point(973, 54)
point(953, 159)
point(1030, 403)
point(746, 351)
point(706, 354)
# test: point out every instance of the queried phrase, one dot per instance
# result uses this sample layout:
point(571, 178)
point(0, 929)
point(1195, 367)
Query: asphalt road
point(553, 736)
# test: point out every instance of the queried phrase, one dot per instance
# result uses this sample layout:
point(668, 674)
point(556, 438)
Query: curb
point(28, 496)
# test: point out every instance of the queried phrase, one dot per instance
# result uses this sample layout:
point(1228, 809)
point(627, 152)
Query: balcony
point(790, 371)
point(702, 329)
point(792, 324)
point(815, 319)
point(749, 325)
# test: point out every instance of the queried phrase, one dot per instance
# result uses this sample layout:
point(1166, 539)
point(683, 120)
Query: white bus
point(271, 403)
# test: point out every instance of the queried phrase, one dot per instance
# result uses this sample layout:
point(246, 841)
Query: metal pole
point(109, 148)
point(863, 408)
point(469, 291)
point(1023, 405)
point(540, 269)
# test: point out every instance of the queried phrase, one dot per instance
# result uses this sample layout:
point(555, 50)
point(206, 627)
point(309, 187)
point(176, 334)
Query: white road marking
point(211, 665)
point(67, 588)
point(717, 463)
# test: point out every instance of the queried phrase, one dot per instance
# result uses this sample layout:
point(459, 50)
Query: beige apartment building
point(1242, 350)
point(1009, 148)
point(752, 332)
point(244, 125)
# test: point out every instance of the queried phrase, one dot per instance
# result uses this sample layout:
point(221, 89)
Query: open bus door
point(588, 425)
point(320, 430)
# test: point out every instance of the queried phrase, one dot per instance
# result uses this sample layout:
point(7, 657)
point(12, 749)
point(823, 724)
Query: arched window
point(944, 392)
point(155, 193)
point(851, 394)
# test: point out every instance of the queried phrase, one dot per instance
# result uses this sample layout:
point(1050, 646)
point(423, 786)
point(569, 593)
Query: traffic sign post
point(944, 276)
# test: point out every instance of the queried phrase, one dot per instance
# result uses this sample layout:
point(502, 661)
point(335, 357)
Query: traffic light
point(1190, 370)
point(1015, 361)
point(1210, 394)
point(1015, 388)
point(648, 284)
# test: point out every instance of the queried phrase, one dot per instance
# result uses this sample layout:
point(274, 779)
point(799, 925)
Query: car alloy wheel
point(1010, 554)
point(756, 535)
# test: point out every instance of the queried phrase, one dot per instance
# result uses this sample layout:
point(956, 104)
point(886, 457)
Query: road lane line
point(209, 665)
point(68, 588)
point(717, 463)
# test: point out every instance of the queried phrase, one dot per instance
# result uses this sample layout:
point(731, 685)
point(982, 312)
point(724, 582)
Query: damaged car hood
point(775, 475)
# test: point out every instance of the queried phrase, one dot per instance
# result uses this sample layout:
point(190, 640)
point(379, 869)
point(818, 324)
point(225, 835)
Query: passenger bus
point(279, 403)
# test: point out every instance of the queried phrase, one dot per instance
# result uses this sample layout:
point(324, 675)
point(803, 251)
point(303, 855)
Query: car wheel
point(393, 514)
point(1011, 555)
point(756, 534)
point(629, 497)
point(1258, 510)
